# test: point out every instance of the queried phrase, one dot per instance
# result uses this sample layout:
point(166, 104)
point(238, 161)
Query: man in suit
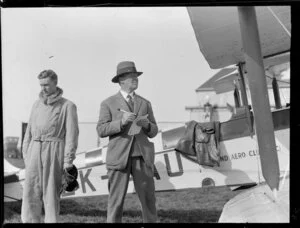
point(128, 154)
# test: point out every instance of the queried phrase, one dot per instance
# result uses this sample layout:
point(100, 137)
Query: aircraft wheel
point(208, 182)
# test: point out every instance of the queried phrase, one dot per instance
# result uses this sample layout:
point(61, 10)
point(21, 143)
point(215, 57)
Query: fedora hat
point(124, 68)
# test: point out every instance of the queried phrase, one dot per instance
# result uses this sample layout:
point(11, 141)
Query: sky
point(84, 45)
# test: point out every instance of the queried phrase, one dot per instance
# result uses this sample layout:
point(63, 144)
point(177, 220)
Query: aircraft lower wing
point(256, 205)
point(13, 186)
point(13, 179)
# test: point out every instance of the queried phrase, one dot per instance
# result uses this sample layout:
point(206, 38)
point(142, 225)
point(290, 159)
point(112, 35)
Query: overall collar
point(51, 99)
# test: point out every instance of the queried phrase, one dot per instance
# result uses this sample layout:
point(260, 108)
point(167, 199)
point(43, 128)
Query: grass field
point(183, 206)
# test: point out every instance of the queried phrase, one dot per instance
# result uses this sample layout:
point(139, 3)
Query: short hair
point(48, 74)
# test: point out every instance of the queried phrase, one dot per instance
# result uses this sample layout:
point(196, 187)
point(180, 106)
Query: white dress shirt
point(125, 94)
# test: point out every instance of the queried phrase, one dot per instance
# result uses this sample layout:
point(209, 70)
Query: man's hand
point(127, 117)
point(144, 123)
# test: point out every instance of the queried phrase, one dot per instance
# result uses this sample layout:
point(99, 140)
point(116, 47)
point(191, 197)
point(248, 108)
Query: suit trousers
point(144, 185)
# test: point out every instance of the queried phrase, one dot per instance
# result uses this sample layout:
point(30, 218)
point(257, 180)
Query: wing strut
point(259, 95)
point(244, 96)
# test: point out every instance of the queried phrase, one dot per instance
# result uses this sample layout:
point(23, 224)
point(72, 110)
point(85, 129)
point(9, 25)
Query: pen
point(121, 110)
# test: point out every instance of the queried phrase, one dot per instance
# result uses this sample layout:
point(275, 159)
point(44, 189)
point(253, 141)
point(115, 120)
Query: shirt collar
point(124, 94)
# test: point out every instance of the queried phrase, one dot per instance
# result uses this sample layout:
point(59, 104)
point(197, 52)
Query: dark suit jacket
point(120, 142)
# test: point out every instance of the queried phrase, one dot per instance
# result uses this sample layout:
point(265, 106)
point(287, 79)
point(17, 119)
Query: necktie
point(130, 102)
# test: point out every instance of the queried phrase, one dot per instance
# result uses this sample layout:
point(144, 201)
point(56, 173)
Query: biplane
point(254, 142)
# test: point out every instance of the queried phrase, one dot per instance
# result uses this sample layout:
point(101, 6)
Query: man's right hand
point(127, 117)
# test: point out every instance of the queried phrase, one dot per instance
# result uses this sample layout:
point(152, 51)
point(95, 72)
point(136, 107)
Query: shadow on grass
point(75, 208)
point(187, 206)
point(177, 216)
point(132, 215)
point(70, 207)
point(183, 206)
point(66, 207)
point(189, 216)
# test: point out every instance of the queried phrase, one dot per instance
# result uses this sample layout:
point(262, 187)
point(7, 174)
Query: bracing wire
point(283, 26)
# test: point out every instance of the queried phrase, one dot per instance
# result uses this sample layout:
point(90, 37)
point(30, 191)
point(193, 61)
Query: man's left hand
point(144, 123)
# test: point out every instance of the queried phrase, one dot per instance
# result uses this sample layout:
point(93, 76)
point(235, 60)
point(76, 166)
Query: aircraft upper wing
point(217, 31)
